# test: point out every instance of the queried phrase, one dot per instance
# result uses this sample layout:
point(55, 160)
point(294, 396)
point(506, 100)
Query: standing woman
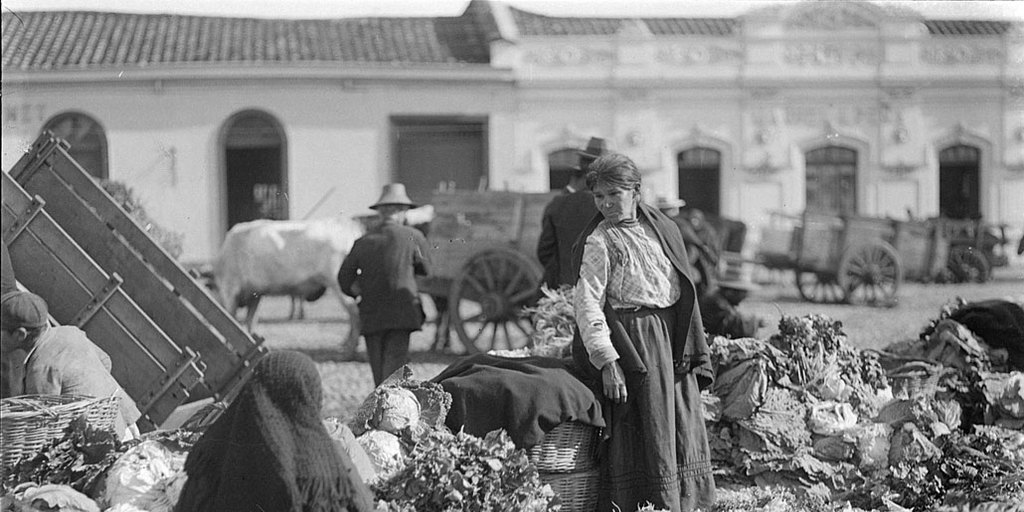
point(270, 451)
point(641, 342)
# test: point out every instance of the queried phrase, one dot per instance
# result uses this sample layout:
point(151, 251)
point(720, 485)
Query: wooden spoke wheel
point(486, 300)
point(820, 288)
point(967, 265)
point(871, 274)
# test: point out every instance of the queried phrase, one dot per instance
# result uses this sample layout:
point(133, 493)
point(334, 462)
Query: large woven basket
point(568, 448)
point(29, 422)
point(577, 491)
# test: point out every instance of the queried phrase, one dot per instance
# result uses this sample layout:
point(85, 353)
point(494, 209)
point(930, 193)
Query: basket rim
point(64, 404)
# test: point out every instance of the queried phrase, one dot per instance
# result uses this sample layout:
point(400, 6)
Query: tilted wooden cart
point(484, 266)
point(169, 341)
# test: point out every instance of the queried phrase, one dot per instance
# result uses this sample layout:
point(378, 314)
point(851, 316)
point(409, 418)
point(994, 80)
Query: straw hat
point(737, 275)
point(393, 194)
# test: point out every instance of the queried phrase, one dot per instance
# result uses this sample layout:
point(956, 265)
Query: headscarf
point(270, 451)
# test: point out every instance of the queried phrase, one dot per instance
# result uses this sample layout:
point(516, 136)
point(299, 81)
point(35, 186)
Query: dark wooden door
point(254, 185)
point(832, 180)
point(959, 182)
point(700, 179)
point(435, 153)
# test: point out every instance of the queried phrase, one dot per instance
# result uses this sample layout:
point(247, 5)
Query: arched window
point(832, 180)
point(959, 182)
point(561, 165)
point(700, 171)
point(87, 139)
point(254, 168)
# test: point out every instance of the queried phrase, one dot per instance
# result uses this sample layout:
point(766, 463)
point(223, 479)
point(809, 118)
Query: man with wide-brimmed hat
point(565, 217)
point(719, 307)
point(380, 271)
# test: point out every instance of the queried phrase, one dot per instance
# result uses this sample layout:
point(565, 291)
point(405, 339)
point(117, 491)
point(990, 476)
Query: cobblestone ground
point(346, 383)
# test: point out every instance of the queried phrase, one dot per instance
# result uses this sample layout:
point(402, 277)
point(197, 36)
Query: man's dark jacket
point(563, 220)
point(384, 263)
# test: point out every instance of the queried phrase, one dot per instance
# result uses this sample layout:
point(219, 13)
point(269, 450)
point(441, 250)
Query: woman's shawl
point(688, 355)
point(270, 449)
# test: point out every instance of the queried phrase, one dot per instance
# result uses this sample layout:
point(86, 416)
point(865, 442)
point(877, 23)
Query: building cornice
point(455, 73)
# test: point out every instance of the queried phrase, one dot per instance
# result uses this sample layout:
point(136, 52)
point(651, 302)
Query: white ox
point(293, 258)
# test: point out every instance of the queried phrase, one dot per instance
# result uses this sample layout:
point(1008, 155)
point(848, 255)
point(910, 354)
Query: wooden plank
point(178, 278)
point(132, 365)
point(85, 273)
point(152, 294)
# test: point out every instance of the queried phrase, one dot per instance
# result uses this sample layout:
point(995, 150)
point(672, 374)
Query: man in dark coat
point(564, 219)
point(380, 271)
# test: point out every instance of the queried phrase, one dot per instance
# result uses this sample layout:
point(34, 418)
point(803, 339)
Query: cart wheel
point(967, 265)
point(820, 288)
point(871, 274)
point(486, 300)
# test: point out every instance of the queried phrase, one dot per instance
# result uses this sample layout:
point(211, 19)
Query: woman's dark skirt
point(658, 451)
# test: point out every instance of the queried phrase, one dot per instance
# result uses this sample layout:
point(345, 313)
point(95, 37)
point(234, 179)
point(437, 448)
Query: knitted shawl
point(269, 451)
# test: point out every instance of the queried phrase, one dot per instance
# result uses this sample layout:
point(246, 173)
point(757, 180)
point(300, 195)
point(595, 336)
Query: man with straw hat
point(565, 217)
point(380, 271)
point(719, 306)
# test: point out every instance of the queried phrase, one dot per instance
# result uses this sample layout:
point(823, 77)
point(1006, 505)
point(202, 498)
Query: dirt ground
point(346, 383)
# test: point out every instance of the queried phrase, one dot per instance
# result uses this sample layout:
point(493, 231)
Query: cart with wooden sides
point(169, 341)
point(976, 247)
point(837, 259)
point(484, 265)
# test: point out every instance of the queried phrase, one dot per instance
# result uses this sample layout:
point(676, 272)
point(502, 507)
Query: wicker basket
point(29, 422)
point(577, 491)
point(568, 448)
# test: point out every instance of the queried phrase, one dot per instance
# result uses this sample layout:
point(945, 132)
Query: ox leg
point(250, 313)
point(297, 310)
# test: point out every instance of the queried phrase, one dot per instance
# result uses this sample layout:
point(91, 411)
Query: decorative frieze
point(567, 55)
point(950, 54)
point(830, 17)
point(696, 54)
point(843, 115)
point(830, 54)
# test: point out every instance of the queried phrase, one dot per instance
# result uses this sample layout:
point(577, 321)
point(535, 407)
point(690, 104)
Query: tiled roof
point(84, 40)
point(967, 27)
point(530, 24)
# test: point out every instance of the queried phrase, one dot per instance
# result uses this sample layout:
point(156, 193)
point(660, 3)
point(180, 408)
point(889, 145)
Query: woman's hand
point(614, 382)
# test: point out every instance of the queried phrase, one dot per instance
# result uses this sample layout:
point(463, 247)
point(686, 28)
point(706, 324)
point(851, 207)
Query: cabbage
point(397, 410)
point(61, 498)
point(385, 452)
point(831, 418)
point(147, 477)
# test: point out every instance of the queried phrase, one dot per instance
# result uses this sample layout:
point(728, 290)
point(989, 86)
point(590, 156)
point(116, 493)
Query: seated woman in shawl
point(270, 450)
point(642, 342)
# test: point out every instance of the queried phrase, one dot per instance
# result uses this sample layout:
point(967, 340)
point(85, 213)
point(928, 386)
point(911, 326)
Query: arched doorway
point(87, 138)
point(959, 182)
point(832, 180)
point(255, 168)
point(700, 179)
point(561, 164)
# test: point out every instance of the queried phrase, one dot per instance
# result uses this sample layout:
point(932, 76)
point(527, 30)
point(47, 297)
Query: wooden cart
point(976, 247)
point(169, 341)
point(838, 259)
point(484, 265)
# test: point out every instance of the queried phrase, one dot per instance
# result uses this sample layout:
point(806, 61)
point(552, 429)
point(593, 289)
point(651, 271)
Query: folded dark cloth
point(525, 396)
point(998, 323)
